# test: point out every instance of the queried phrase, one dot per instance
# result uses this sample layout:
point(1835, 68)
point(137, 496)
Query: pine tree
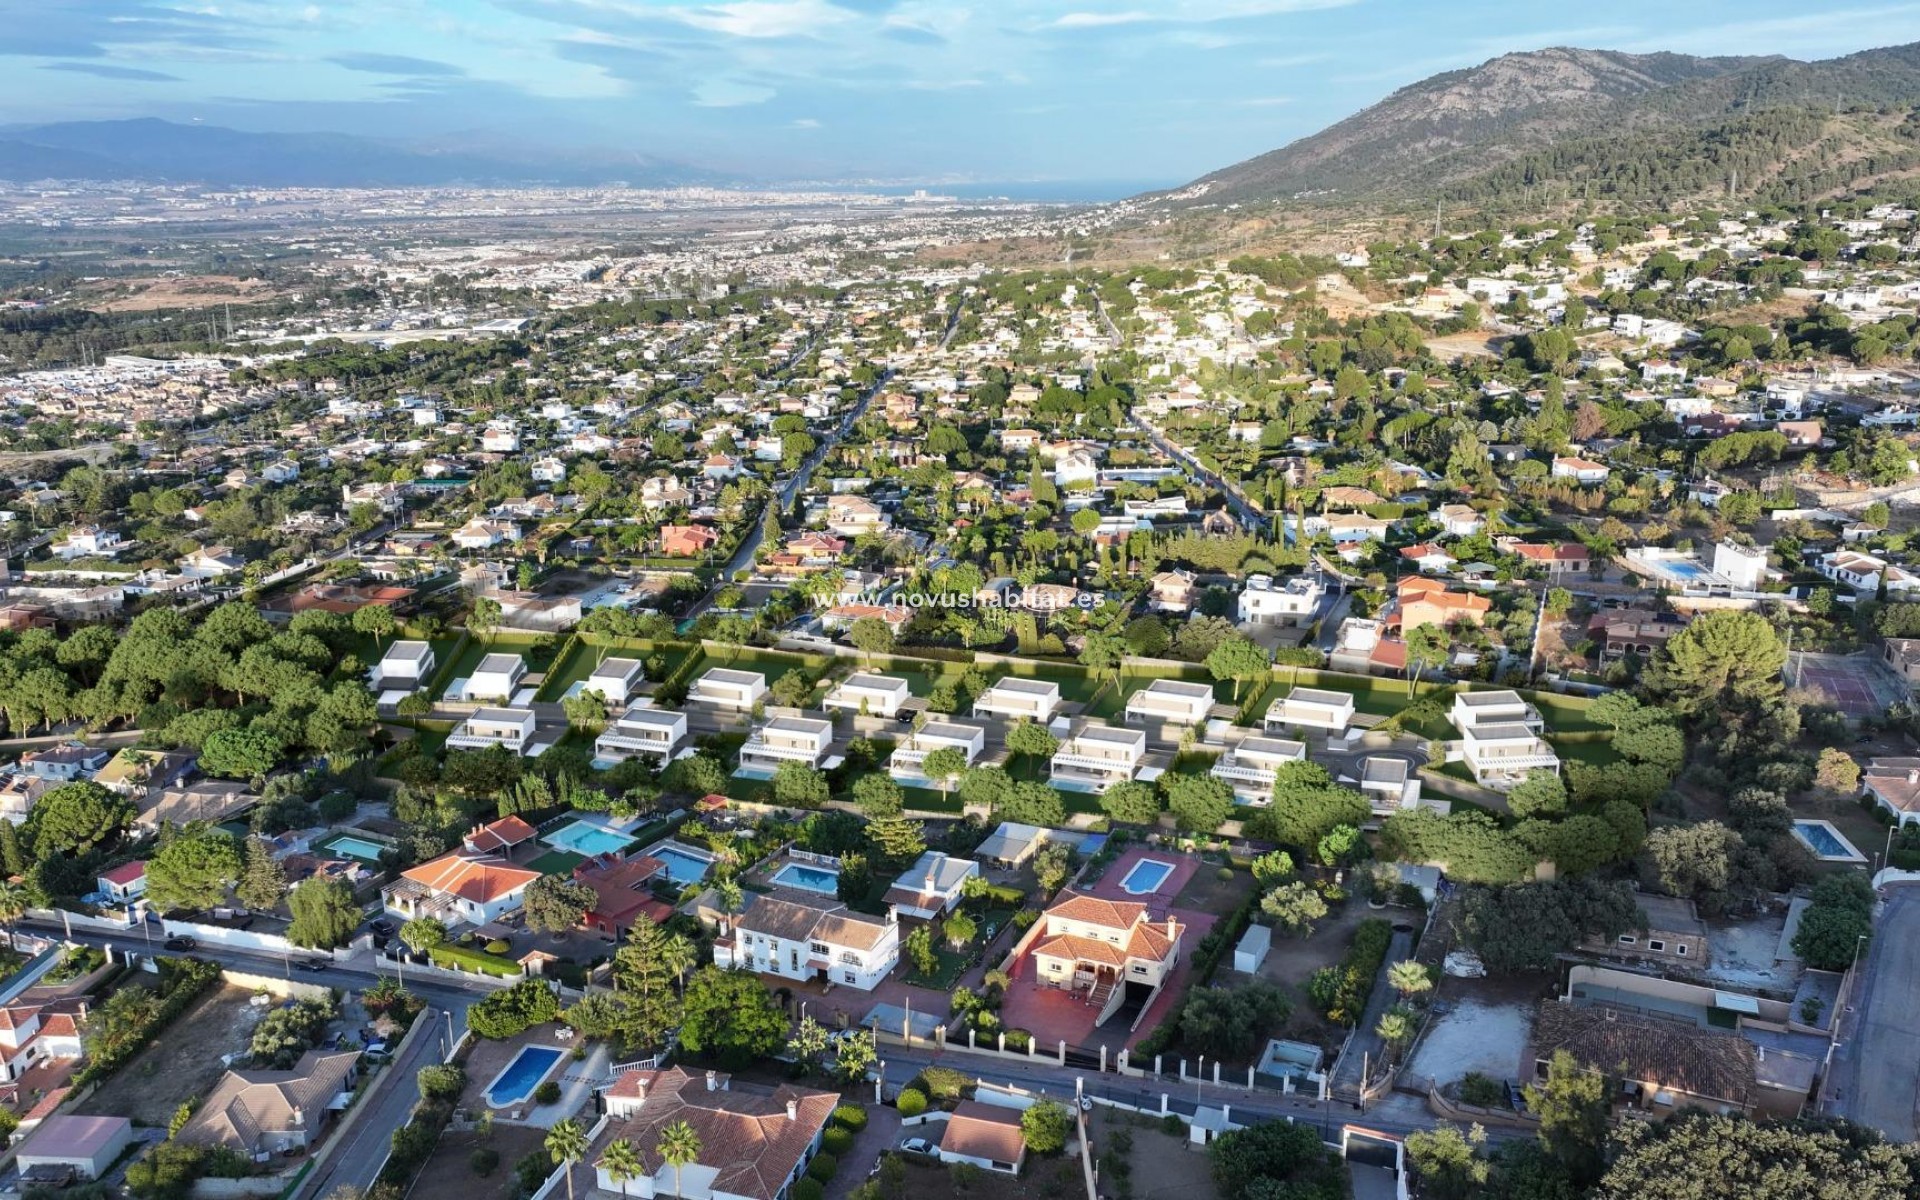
point(644, 977)
point(262, 883)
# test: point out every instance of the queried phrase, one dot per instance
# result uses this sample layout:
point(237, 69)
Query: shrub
point(1341, 991)
point(850, 1116)
point(438, 1082)
point(911, 1103)
point(547, 1093)
point(483, 1160)
point(944, 1083)
point(1482, 1091)
point(823, 1167)
point(497, 946)
point(809, 1189)
point(836, 1141)
point(514, 1010)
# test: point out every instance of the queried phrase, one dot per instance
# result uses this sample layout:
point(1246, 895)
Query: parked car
point(181, 943)
point(920, 1146)
point(313, 964)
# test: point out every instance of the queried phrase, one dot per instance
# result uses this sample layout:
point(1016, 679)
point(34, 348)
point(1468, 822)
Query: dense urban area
point(816, 697)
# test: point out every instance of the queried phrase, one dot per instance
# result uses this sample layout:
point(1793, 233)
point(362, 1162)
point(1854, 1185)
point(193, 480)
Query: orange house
point(686, 541)
point(1428, 602)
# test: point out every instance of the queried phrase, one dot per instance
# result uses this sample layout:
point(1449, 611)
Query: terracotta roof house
point(985, 1135)
point(1666, 1065)
point(498, 837)
point(1113, 950)
point(260, 1113)
point(1894, 784)
point(754, 1142)
point(1428, 602)
point(462, 886)
point(623, 888)
point(686, 541)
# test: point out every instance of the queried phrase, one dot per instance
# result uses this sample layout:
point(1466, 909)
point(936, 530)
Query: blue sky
point(1136, 90)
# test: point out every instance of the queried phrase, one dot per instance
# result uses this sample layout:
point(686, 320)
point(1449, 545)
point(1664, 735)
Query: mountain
point(1598, 124)
point(159, 151)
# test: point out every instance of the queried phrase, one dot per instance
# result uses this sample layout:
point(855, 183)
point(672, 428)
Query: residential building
point(656, 731)
point(1112, 950)
point(896, 617)
point(617, 679)
point(1894, 784)
point(488, 727)
point(262, 1113)
point(462, 886)
point(496, 678)
point(1171, 702)
point(623, 890)
point(1458, 520)
point(1901, 654)
point(687, 541)
point(850, 516)
point(407, 665)
point(1580, 470)
point(64, 764)
point(1173, 592)
point(755, 1142)
point(1745, 567)
point(1665, 1066)
point(800, 936)
point(1621, 632)
point(802, 740)
point(1674, 935)
point(1311, 708)
point(86, 1147)
point(907, 765)
point(1389, 784)
point(1428, 602)
point(1015, 698)
point(722, 687)
point(1864, 572)
point(1500, 738)
point(869, 695)
point(1250, 767)
point(1095, 757)
point(501, 837)
point(931, 887)
point(987, 1136)
point(123, 884)
point(1565, 558)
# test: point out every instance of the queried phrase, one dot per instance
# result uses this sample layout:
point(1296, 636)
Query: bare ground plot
point(1043, 1179)
point(1486, 1029)
point(182, 1064)
point(1207, 892)
point(1743, 954)
point(449, 1174)
point(1293, 960)
point(1159, 1165)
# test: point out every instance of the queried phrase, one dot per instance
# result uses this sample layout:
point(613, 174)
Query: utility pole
point(1436, 221)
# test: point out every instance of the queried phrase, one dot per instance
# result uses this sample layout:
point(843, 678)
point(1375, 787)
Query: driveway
point(881, 1133)
point(1877, 1063)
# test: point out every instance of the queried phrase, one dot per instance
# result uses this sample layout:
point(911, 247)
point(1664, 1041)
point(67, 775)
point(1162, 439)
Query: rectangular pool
point(808, 878)
point(586, 838)
point(1827, 843)
point(354, 847)
point(684, 864)
point(516, 1082)
point(1146, 877)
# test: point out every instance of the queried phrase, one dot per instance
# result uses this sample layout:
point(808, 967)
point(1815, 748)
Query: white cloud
point(730, 93)
point(805, 123)
point(1098, 20)
point(764, 18)
point(1263, 102)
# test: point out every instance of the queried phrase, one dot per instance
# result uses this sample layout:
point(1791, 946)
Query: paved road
point(1368, 1049)
point(356, 1161)
point(1875, 1078)
point(1235, 499)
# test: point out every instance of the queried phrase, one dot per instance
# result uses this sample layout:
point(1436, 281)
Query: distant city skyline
point(1153, 91)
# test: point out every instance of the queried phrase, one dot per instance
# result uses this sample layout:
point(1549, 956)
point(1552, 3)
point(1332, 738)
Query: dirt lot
point(926, 1182)
point(192, 291)
point(447, 1176)
point(182, 1064)
point(1293, 959)
point(1160, 1164)
point(1207, 893)
point(1486, 1028)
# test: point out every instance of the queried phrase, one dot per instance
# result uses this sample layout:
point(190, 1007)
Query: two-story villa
point(1014, 698)
point(805, 937)
point(735, 691)
point(1250, 767)
point(1170, 702)
point(908, 763)
point(509, 727)
point(1500, 738)
point(802, 740)
point(656, 731)
point(871, 695)
point(1095, 757)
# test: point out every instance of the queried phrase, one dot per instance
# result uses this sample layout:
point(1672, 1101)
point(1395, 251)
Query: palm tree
point(13, 905)
point(1409, 978)
point(679, 955)
point(678, 1146)
point(566, 1145)
point(621, 1162)
point(1395, 1027)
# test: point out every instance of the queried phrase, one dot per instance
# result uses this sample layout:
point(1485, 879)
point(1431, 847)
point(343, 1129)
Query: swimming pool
point(1146, 877)
point(684, 864)
point(1826, 842)
point(515, 1083)
point(584, 837)
point(354, 847)
point(808, 878)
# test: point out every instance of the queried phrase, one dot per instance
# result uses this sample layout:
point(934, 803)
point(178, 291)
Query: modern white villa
point(497, 678)
point(1291, 603)
point(1311, 708)
point(736, 691)
point(931, 886)
point(786, 739)
point(1171, 702)
point(908, 763)
point(870, 695)
point(655, 731)
point(509, 727)
point(617, 679)
point(1390, 784)
point(1500, 738)
point(1095, 757)
point(1249, 768)
point(1013, 698)
point(407, 665)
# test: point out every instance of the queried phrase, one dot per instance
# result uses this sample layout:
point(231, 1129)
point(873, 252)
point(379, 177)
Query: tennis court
point(1856, 684)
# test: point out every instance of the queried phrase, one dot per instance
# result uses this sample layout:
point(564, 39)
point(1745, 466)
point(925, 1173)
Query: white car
point(918, 1146)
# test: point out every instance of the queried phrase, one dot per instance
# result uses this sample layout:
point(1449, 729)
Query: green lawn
point(948, 967)
point(556, 862)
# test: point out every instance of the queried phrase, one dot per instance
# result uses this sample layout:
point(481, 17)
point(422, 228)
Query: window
point(1139, 970)
point(1656, 945)
point(1680, 949)
point(847, 977)
point(1627, 939)
point(819, 948)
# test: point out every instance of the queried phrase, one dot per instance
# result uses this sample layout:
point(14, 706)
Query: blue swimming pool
point(808, 878)
point(1146, 877)
point(683, 864)
point(516, 1083)
point(584, 837)
point(1825, 842)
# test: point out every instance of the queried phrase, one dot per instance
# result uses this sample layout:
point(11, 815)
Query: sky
point(1142, 91)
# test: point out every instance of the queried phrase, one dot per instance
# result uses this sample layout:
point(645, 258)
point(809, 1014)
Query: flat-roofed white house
point(509, 727)
point(1249, 768)
point(1390, 784)
point(1095, 757)
point(1311, 708)
point(1170, 701)
point(930, 887)
point(496, 678)
point(1500, 738)
point(1262, 602)
point(908, 763)
point(655, 731)
point(722, 687)
point(786, 739)
point(616, 679)
point(1013, 698)
point(872, 695)
point(406, 664)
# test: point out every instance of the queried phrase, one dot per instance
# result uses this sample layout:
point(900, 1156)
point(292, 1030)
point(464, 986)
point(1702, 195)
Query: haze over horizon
point(1154, 91)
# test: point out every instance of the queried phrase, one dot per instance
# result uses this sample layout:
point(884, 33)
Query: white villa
point(729, 689)
point(803, 937)
point(931, 886)
point(786, 739)
point(1291, 603)
point(616, 679)
point(1500, 738)
point(509, 727)
point(1250, 767)
point(496, 678)
point(1170, 701)
point(655, 731)
point(1389, 784)
point(406, 665)
point(1013, 698)
point(870, 695)
point(1311, 708)
point(1095, 757)
point(907, 766)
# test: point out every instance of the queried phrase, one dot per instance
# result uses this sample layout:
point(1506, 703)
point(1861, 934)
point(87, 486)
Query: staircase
point(1101, 993)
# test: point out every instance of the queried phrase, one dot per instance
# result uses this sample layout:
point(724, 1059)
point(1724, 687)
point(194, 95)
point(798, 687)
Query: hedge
point(911, 1102)
point(808, 1189)
point(823, 1167)
point(836, 1141)
point(1341, 991)
point(851, 1117)
point(189, 978)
